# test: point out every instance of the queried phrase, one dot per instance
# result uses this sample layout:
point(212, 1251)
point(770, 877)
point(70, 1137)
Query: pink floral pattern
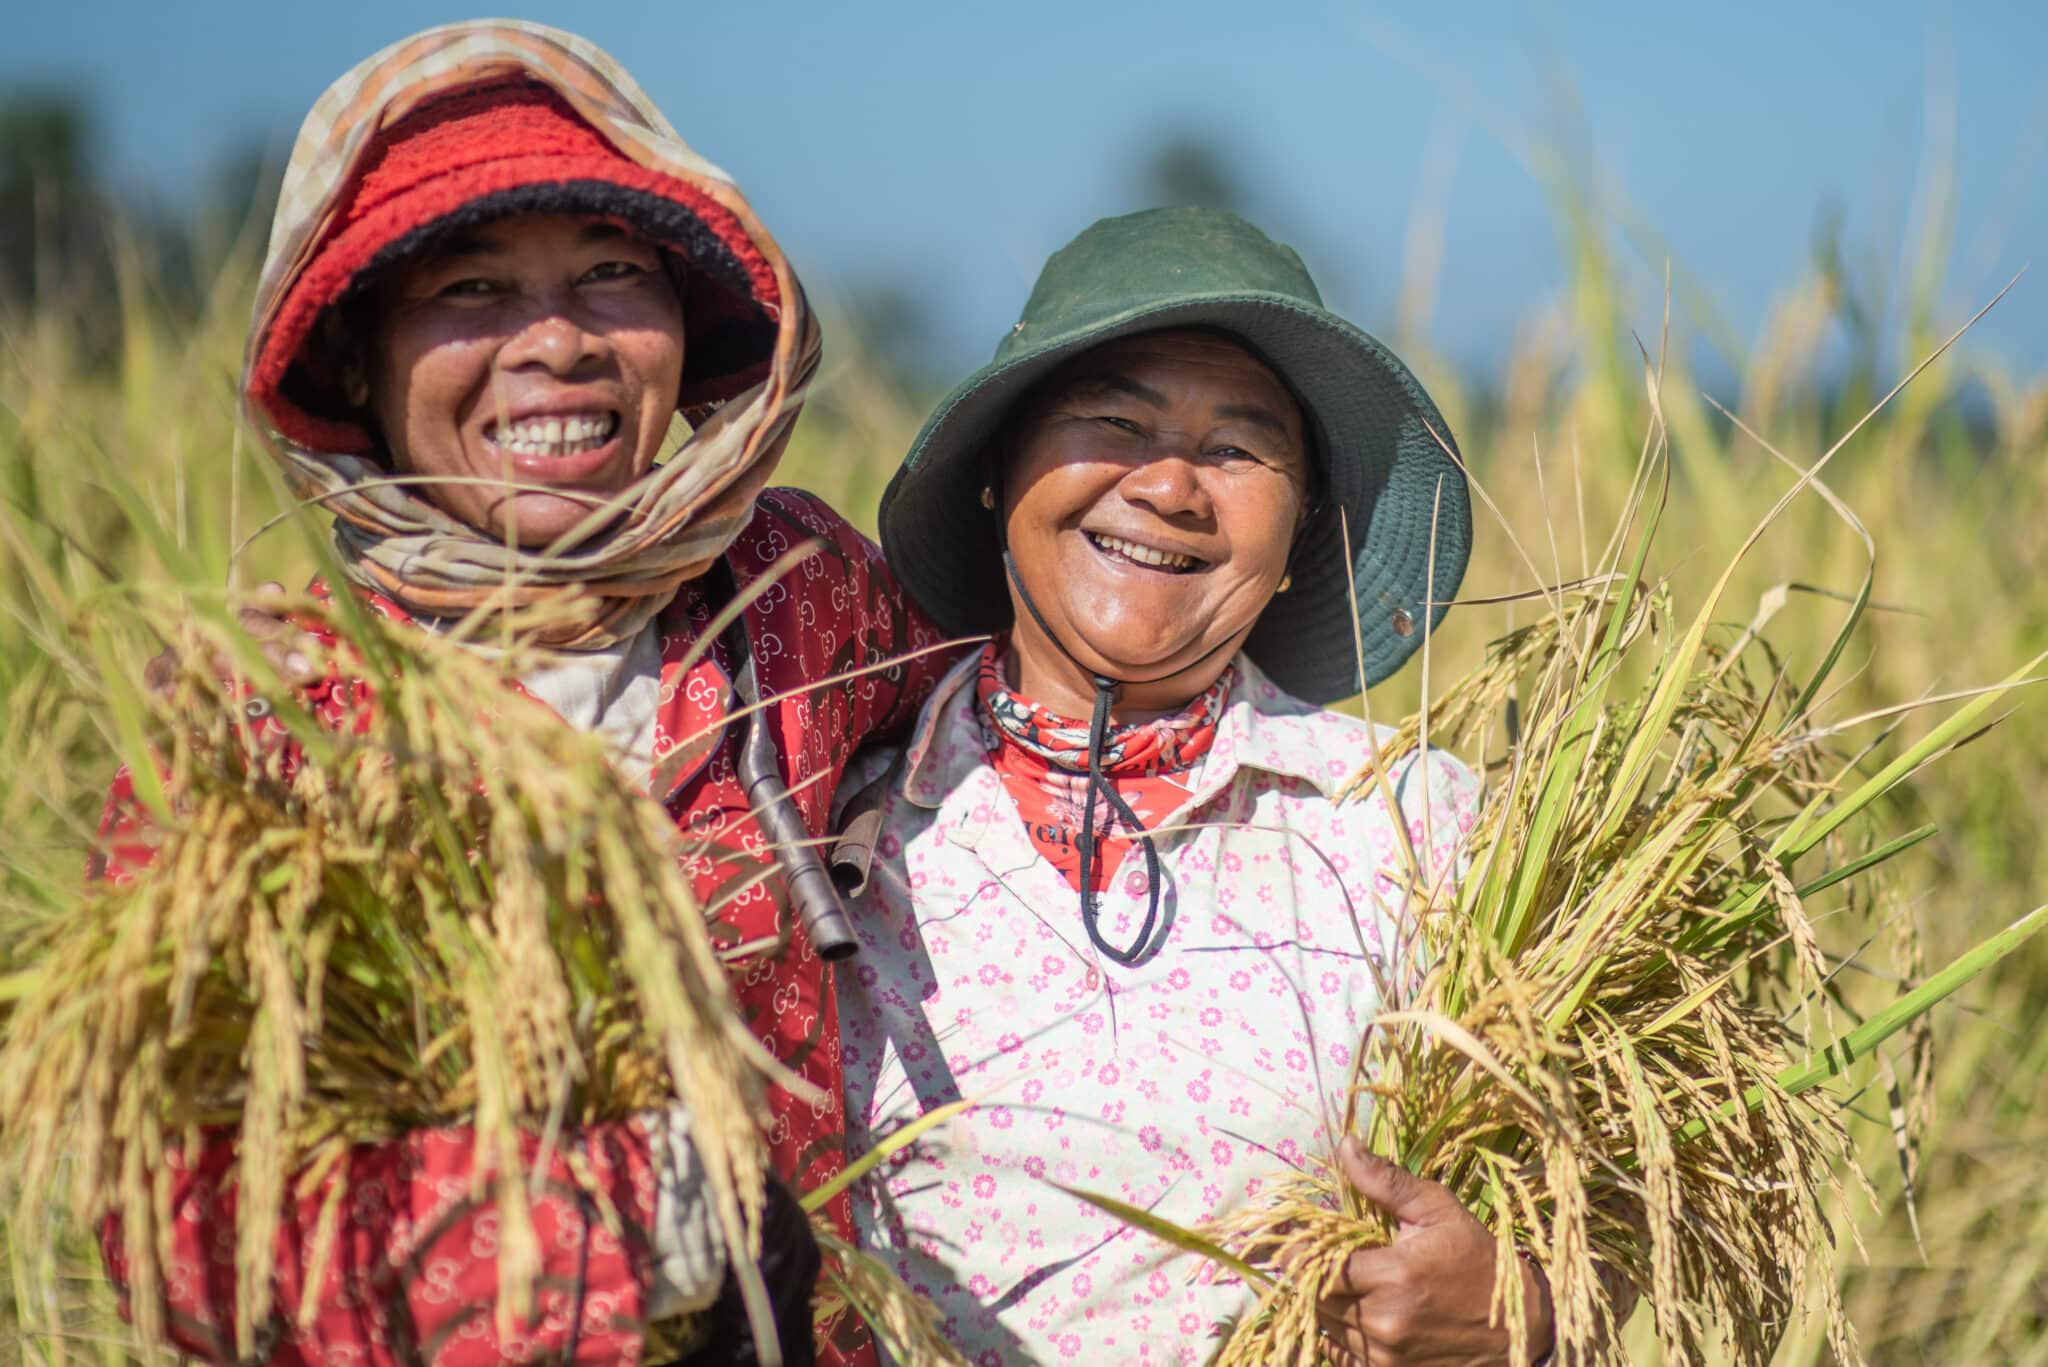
point(1042, 760)
point(1179, 1085)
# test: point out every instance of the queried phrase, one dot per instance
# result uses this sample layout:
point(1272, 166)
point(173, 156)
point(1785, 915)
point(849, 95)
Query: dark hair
point(316, 382)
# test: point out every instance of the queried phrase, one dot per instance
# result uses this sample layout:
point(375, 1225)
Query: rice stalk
point(906, 1323)
point(435, 904)
point(1615, 1054)
point(1600, 1060)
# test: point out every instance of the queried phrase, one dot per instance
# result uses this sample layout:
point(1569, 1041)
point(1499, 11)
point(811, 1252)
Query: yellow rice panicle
point(449, 917)
point(904, 1322)
point(1545, 1080)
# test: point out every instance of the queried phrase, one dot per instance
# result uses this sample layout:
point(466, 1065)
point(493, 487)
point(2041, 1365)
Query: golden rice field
point(1950, 481)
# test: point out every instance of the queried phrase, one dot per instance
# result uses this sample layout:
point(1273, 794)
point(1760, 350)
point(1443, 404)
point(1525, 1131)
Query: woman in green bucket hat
point(1383, 452)
point(1115, 899)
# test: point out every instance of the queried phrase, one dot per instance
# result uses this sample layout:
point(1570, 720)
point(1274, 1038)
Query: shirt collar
point(1261, 727)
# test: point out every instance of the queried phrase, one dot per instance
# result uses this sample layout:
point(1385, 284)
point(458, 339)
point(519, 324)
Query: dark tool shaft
point(811, 889)
point(812, 893)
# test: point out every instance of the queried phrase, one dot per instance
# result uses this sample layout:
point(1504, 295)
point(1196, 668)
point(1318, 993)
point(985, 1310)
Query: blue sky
point(946, 149)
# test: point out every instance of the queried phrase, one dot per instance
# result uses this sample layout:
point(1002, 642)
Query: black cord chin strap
point(1098, 784)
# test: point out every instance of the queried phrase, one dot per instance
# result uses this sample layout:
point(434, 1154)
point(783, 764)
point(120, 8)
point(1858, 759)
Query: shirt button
point(1134, 883)
point(1093, 980)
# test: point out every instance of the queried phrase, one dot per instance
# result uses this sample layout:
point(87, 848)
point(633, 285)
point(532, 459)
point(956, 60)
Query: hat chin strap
point(1098, 783)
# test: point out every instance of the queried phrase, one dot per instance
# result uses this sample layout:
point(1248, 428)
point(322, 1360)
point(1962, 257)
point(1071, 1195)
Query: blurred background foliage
point(121, 326)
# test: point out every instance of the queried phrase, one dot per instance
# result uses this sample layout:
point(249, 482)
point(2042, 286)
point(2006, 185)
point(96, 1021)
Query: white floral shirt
point(1182, 1085)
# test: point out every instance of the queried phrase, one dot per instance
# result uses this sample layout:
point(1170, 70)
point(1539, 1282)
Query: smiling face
point(1151, 493)
point(545, 350)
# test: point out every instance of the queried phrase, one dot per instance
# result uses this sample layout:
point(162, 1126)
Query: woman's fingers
point(262, 616)
point(1346, 1346)
point(291, 652)
point(1400, 1193)
point(1426, 1297)
point(1375, 1271)
point(161, 669)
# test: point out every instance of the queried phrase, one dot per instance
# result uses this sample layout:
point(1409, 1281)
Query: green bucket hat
point(1382, 444)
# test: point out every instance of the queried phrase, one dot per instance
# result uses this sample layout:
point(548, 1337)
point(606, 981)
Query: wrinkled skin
point(1180, 442)
point(530, 315)
point(1425, 1299)
point(536, 315)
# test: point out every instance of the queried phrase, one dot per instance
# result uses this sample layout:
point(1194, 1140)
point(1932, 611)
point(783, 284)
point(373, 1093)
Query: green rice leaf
point(1180, 1237)
point(816, 1198)
point(1833, 1061)
point(1814, 827)
point(131, 730)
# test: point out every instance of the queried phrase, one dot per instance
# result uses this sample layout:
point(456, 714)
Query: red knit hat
point(485, 153)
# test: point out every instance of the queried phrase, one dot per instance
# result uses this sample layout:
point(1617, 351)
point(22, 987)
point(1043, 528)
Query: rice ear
point(451, 910)
point(1614, 1058)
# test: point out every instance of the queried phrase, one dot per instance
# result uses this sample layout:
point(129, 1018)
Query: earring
point(988, 497)
point(1286, 583)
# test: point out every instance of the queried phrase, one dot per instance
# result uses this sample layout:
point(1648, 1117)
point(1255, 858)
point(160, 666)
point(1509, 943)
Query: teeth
point(1145, 555)
point(557, 436)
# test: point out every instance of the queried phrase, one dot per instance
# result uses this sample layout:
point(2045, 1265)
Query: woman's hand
point(1424, 1299)
point(291, 652)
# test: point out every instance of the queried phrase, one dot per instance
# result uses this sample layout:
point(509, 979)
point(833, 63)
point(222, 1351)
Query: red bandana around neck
point(1042, 760)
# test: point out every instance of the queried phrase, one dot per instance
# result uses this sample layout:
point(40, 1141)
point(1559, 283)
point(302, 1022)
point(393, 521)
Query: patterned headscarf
point(678, 518)
point(1162, 745)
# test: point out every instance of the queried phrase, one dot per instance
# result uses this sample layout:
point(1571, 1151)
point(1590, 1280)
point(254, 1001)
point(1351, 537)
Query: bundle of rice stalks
point(1608, 1038)
point(435, 904)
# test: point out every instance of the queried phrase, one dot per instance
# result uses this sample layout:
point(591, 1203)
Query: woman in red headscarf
point(495, 279)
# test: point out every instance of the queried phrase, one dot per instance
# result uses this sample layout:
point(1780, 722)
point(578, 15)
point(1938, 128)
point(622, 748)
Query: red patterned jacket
point(414, 1277)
